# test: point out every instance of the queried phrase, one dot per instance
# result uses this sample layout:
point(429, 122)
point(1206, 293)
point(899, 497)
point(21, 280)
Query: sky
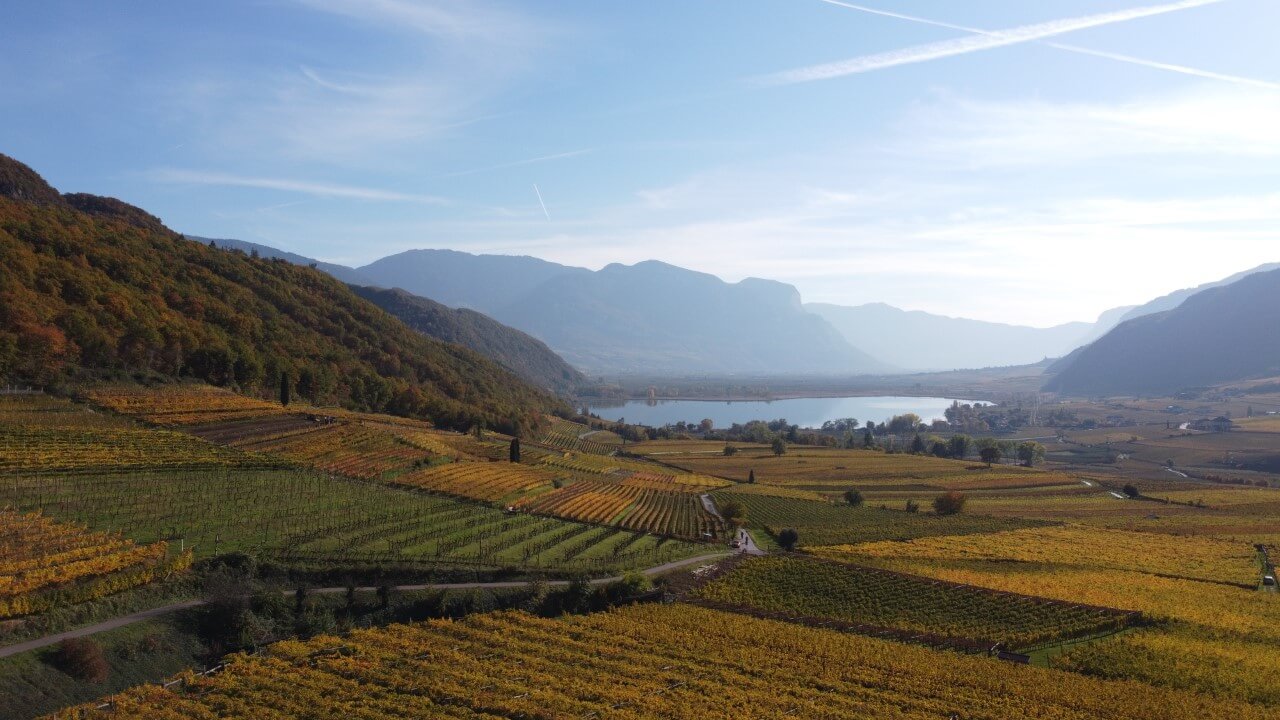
point(1032, 163)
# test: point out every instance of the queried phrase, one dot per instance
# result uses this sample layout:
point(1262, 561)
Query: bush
point(853, 497)
point(912, 506)
point(1131, 491)
point(949, 503)
point(82, 658)
point(788, 539)
point(730, 450)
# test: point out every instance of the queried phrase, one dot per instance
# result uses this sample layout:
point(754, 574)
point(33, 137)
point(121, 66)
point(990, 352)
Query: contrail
point(973, 43)
point(518, 163)
point(544, 205)
point(1183, 69)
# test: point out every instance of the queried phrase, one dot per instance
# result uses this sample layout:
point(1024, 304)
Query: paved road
point(112, 624)
point(123, 620)
point(748, 543)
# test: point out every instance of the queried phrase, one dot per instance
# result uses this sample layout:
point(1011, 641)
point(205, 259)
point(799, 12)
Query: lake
point(805, 412)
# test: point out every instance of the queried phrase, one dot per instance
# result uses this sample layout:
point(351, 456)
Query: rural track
point(123, 620)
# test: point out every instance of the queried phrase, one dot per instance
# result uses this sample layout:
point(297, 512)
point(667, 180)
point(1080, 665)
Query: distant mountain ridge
point(647, 317)
point(1221, 334)
point(921, 341)
point(1177, 297)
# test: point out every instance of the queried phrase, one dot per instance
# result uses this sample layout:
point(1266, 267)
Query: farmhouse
point(1218, 424)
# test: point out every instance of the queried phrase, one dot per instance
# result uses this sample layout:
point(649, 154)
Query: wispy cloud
point(1171, 67)
point(199, 177)
point(973, 43)
point(1206, 123)
point(436, 18)
point(519, 163)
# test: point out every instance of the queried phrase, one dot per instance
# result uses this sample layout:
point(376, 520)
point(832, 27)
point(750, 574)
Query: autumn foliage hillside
point(92, 287)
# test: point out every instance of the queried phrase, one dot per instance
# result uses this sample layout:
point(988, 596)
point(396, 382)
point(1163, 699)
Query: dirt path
point(141, 615)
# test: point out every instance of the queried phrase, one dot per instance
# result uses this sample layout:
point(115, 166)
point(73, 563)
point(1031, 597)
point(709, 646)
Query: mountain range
point(921, 341)
point(653, 317)
point(647, 317)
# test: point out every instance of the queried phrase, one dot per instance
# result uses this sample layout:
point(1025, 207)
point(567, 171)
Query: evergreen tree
point(917, 445)
point(751, 478)
point(284, 389)
point(515, 450)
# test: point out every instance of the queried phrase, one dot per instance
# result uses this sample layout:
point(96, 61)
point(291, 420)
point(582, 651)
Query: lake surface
point(805, 412)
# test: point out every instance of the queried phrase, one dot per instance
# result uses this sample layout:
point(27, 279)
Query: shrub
point(949, 503)
point(912, 506)
point(730, 450)
point(1131, 491)
point(788, 539)
point(82, 659)
point(853, 497)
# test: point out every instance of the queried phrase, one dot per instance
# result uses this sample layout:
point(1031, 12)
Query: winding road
point(141, 615)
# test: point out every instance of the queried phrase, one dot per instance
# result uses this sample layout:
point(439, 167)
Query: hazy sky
point(1031, 162)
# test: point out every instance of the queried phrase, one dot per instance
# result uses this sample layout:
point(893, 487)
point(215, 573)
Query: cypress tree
point(284, 389)
point(515, 449)
point(751, 478)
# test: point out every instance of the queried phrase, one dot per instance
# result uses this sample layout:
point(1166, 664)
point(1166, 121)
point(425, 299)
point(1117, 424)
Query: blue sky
point(999, 159)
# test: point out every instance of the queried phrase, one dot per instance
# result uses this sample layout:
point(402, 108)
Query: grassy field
point(825, 523)
point(35, 683)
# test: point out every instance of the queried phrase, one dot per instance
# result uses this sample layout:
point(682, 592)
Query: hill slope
point(1217, 335)
point(526, 356)
point(916, 340)
point(92, 286)
point(648, 317)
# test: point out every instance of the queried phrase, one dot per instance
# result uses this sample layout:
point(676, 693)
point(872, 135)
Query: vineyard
point(886, 600)
point(575, 437)
point(309, 519)
point(40, 449)
point(824, 523)
point(1079, 546)
point(833, 470)
point(1238, 668)
point(489, 482)
point(181, 404)
point(640, 504)
point(45, 564)
point(646, 661)
point(1215, 633)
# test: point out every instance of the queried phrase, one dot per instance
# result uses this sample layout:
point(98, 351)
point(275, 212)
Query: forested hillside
point(524, 355)
point(94, 287)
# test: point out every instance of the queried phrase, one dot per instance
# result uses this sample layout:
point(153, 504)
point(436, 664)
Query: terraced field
point(646, 661)
point(571, 436)
point(243, 492)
